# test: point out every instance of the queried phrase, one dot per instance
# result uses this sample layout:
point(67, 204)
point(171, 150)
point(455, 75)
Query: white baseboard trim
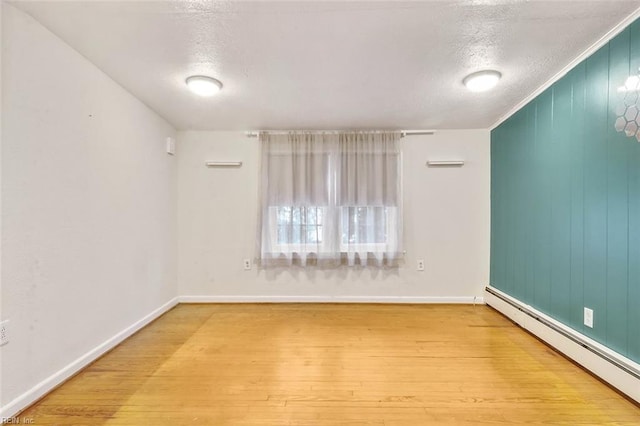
point(601, 367)
point(47, 385)
point(330, 299)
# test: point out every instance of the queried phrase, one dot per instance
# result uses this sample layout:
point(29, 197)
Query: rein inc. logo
point(628, 118)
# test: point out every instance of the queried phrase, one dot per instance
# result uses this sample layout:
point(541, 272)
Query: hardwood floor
point(322, 364)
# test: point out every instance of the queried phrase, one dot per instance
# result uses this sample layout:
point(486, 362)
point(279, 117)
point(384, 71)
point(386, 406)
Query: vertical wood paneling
point(617, 205)
point(496, 262)
point(561, 202)
point(595, 190)
point(530, 202)
point(521, 223)
point(633, 162)
point(576, 164)
point(566, 201)
point(542, 207)
point(510, 220)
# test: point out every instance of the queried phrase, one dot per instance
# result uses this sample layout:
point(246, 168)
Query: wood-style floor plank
point(323, 364)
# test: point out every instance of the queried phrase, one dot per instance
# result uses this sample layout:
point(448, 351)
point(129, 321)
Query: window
point(364, 225)
point(330, 198)
point(297, 225)
point(358, 225)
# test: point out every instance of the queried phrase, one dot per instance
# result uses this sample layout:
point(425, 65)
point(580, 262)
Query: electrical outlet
point(4, 334)
point(247, 264)
point(588, 317)
point(420, 266)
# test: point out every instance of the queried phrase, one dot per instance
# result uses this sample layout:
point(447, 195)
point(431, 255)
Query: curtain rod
point(403, 133)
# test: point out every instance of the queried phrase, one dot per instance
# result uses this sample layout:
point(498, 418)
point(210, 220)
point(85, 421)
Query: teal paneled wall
point(565, 200)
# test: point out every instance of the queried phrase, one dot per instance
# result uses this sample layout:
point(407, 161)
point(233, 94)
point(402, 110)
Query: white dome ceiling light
point(482, 81)
point(203, 86)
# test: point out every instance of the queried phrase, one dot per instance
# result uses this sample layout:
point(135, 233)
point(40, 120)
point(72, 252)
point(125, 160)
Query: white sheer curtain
point(330, 198)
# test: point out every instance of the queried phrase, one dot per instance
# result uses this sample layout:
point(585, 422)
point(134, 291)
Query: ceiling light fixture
point(482, 81)
point(203, 86)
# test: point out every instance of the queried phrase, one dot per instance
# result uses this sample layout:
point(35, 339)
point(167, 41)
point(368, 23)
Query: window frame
point(274, 225)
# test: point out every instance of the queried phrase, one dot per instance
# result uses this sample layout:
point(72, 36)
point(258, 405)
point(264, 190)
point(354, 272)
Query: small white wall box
point(171, 146)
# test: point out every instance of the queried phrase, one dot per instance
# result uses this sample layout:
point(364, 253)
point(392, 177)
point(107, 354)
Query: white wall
point(88, 206)
point(446, 223)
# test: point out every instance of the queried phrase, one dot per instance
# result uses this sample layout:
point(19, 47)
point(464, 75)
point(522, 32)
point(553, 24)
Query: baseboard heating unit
point(614, 368)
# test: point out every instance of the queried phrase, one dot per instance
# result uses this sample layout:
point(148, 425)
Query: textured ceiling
point(330, 65)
